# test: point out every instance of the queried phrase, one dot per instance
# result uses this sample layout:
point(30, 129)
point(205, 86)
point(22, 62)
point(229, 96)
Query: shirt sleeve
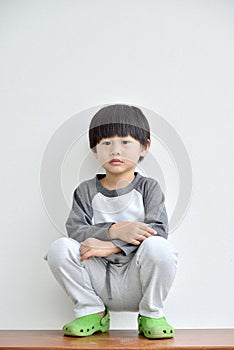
point(155, 214)
point(155, 211)
point(79, 223)
point(127, 248)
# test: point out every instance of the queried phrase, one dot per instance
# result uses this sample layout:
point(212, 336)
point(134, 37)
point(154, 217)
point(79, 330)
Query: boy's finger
point(135, 242)
point(141, 238)
point(84, 249)
point(147, 235)
point(152, 231)
point(85, 256)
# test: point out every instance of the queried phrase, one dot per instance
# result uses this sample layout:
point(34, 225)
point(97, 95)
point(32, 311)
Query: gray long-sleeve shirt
point(95, 209)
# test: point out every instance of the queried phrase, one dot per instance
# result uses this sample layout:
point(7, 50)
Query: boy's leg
point(156, 261)
point(154, 268)
point(149, 277)
point(64, 261)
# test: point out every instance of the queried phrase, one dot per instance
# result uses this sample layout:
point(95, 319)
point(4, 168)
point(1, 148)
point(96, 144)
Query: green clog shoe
point(87, 325)
point(155, 328)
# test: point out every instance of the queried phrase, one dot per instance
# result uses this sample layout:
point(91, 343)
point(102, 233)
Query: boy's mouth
point(116, 161)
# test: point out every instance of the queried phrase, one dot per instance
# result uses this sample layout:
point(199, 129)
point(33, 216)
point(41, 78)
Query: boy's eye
point(108, 143)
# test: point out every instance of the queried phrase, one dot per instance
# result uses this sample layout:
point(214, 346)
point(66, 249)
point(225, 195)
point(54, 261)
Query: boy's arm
point(79, 224)
point(80, 227)
point(95, 247)
point(155, 211)
point(155, 222)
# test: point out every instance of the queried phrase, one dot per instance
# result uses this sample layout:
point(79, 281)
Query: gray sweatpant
point(139, 282)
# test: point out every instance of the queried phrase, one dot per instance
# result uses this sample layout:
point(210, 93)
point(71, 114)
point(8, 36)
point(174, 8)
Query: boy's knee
point(158, 250)
point(61, 249)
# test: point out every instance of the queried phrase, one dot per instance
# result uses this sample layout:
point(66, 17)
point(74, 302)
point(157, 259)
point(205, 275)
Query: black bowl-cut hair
point(119, 120)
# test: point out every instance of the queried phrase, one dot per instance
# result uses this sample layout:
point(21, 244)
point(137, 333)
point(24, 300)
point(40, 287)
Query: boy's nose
point(115, 150)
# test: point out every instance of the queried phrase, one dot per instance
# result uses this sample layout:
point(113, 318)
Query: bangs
point(119, 120)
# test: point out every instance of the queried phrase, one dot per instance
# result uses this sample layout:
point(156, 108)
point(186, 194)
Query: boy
point(117, 256)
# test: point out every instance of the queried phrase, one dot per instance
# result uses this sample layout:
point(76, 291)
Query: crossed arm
point(131, 232)
point(106, 238)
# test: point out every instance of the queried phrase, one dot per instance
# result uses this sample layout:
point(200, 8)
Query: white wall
point(61, 57)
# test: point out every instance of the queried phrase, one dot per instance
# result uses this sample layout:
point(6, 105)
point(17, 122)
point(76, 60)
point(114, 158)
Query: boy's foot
point(87, 325)
point(155, 328)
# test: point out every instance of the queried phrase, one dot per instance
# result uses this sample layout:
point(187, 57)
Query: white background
point(61, 57)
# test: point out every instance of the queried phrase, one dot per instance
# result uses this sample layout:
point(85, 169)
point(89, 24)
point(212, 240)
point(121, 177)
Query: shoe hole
point(93, 327)
point(171, 331)
point(87, 330)
point(164, 331)
point(81, 330)
point(149, 332)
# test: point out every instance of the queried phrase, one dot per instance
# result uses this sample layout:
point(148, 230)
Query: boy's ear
point(94, 150)
point(146, 148)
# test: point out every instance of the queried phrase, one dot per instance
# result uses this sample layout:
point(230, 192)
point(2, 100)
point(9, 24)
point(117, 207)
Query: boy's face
point(120, 154)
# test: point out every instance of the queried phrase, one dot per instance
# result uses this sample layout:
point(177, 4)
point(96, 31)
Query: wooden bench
point(194, 339)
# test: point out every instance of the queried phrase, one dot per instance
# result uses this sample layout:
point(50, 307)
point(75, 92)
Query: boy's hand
point(131, 232)
point(96, 247)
